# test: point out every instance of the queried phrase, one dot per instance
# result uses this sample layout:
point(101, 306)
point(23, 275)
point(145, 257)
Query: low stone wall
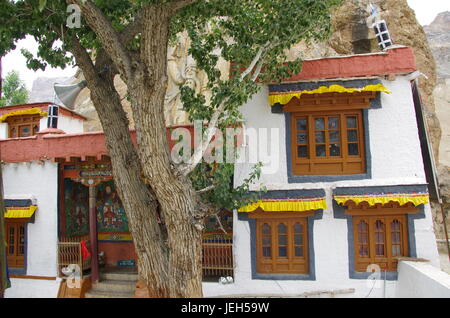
point(421, 280)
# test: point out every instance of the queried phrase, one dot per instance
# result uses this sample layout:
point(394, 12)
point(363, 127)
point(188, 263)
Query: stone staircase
point(115, 283)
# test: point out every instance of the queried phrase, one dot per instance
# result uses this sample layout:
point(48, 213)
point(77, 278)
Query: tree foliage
point(14, 90)
point(129, 38)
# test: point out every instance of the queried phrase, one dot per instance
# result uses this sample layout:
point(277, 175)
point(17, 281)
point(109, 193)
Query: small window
point(328, 143)
point(282, 245)
point(379, 240)
point(23, 125)
point(52, 120)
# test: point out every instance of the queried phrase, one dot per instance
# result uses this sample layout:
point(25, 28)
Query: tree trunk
point(175, 194)
point(2, 239)
point(139, 202)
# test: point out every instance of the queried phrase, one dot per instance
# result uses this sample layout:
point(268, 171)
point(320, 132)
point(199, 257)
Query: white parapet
point(422, 280)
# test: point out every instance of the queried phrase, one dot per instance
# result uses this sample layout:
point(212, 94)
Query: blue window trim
point(339, 213)
point(330, 178)
point(318, 215)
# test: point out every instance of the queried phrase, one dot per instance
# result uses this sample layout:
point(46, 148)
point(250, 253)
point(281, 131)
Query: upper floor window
point(328, 143)
point(23, 125)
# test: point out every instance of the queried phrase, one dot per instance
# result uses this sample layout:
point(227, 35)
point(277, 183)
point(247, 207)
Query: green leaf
point(42, 4)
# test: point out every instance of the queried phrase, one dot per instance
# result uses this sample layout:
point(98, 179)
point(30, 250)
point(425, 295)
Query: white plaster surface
point(68, 124)
point(422, 280)
point(4, 130)
point(38, 181)
point(33, 288)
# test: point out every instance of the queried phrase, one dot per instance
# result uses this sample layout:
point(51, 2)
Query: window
point(328, 143)
point(282, 244)
point(15, 240)
point(23, 125)
point(379, 240)
point(52, 119)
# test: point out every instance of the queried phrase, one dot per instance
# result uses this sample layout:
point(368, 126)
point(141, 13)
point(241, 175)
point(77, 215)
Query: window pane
point(321, 151)
point(333, 123)
point(320, 123)
point(302, 138)
point(352, 122)
point(298, 228)
point(335, 150)
point(298, 240)
point(352, 135)
point(320, 137)
point(363, 238)
point(266, 229)
point(395, 226)
point(282, 252)
point(379, 250)
point(353, 149)
point(267, 252)
point(302, 124)
point(334, 136)
point(282, 228)
point(303, 151)
point(266, 241)
point(396, 250)
point(282, 240)
point(299, 252)
point(364, 251)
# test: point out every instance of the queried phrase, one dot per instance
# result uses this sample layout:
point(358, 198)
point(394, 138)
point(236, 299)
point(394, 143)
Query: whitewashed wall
point(27, 180)
point(69, 124)
point(421, 280)
point(394, 142)
point(4, 130)
point(396, 160)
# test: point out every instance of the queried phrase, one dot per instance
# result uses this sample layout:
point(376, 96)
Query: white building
point(346, 183)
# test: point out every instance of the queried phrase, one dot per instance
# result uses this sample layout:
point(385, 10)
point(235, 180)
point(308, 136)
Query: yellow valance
point(286, 205)
point(31, 111)
point(284, 98)
point(20, 212)
point(415, 198)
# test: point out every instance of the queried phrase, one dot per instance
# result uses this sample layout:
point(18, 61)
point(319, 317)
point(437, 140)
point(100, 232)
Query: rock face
point(42, 90)
point(438, 33)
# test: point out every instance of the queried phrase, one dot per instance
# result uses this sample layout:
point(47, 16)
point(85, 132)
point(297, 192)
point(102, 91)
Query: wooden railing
point(69, 252)
point(217, 258)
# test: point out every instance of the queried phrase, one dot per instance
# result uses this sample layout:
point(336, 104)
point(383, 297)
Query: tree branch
point(180, 4)
point(210, 132)
point(207, 189)
point(109, 37)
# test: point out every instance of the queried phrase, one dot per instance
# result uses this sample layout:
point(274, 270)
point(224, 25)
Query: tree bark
point(176, 196)
point(169, 253)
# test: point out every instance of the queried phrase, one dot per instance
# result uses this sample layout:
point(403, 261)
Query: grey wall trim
point(332, 178)
point(375, 103)
point(381, 189)
point(339, 213)
point(312, 267)
point(293, 194)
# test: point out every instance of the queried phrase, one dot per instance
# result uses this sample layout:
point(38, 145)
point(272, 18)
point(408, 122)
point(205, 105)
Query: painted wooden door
point(15, 239)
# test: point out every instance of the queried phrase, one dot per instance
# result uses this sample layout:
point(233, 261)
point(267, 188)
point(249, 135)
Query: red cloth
point(84, 250)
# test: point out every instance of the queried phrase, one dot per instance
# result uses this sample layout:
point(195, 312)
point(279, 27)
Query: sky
point(426, 11)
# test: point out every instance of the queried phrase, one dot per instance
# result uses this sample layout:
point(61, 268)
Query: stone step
point(120, 286)
point(132, 277)
point(109, 294)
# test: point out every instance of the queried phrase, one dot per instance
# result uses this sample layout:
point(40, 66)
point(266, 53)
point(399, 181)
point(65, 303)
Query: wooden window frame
point(331, 105)
point(16, 260)
point(387, 215)
point(15, 123)
point(276, 264)
point(344, 164)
